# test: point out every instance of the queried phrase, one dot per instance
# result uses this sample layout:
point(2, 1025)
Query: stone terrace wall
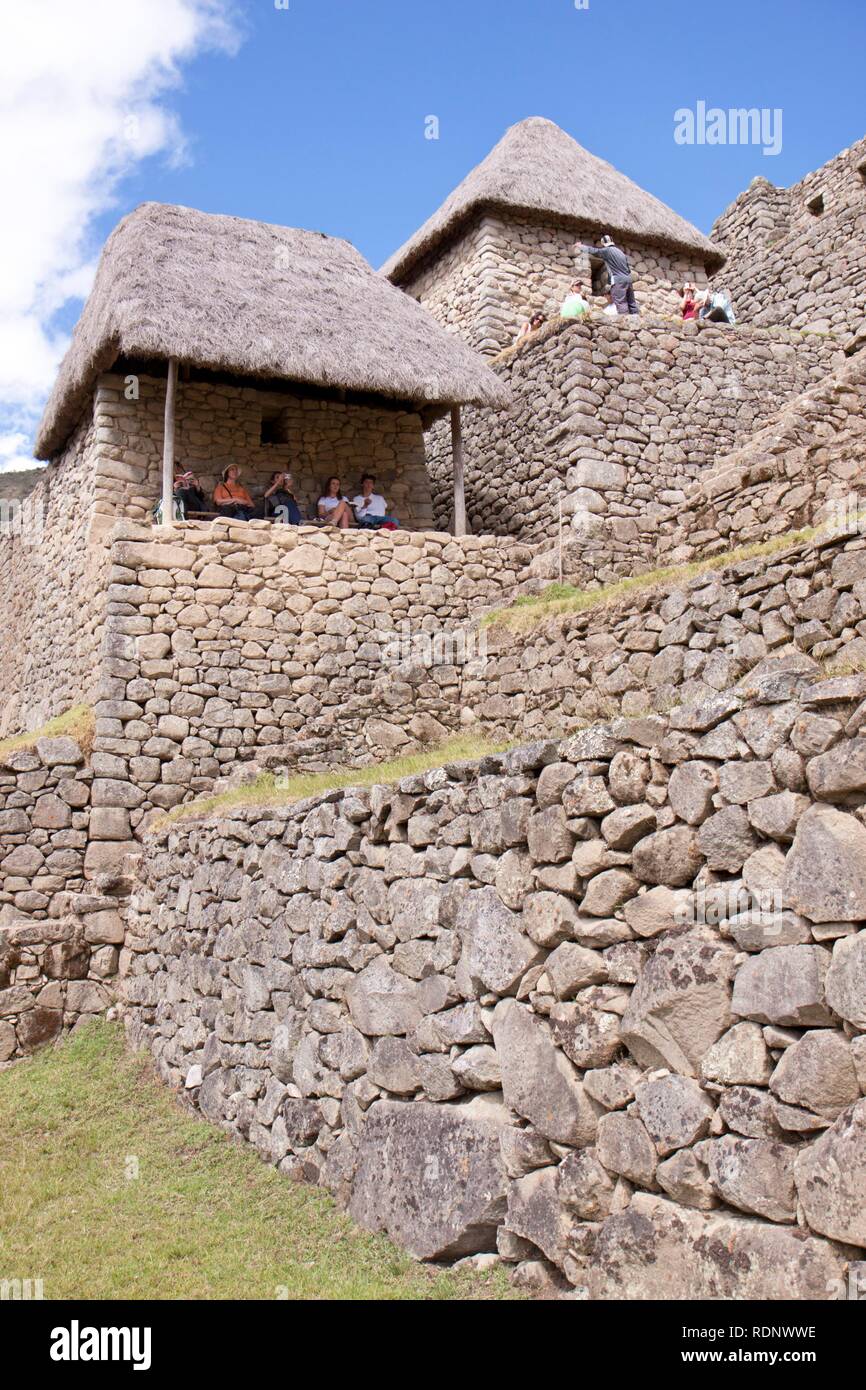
point(60, 922)
point(787, 264)
point(233, 641)
point(219, 424)
point(804, 468)
point(599, 1004)
point(623, 415)
point(498, 271)
point(52, 579)
point(685, 641)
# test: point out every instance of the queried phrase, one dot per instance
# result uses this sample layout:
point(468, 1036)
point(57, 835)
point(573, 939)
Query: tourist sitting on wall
point(332, 507)
point(187, 491)
point(689, 303)
point(280, 503)
point(619, 270)
point(370, 509)
point(530, 326)
point(575, 305)
point(715, 307)
point(231, 497)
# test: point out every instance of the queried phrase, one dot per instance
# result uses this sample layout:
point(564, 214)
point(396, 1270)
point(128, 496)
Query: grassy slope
point(204, 1219)
point(271, 790)
point(77, 722)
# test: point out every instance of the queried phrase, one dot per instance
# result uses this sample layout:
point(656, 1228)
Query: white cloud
point(83, 88)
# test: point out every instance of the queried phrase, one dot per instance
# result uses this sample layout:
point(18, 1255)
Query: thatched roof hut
point(537, 170)
point(258, 301)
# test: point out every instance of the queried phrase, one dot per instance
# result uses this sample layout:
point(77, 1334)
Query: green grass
point(204, 1219)
point(76, 722)
point(270, 790)
point(555, 600)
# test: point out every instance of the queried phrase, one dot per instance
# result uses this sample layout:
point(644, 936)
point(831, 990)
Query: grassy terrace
point(203, 1218)
point(76, 723)
point(272, 790)
point(556, 600)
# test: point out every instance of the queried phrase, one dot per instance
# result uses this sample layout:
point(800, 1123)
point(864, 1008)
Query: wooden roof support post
point(459, 484)
point(168, 444)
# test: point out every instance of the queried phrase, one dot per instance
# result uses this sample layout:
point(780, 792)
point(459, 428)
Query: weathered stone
point(839, 772)
point(538, 1081)
point(571, 968)
point(683, 1179)
point(381, 1001)
point(607, 891)
point(784, 985)
point(690, 791)
point(589, 1036)
point(495, 952)
point(845, 985)
point(624, 1147)
point(681, 1003)
point(583, 1186)
point(739, 1058)
point(656, 1248)
point(831, 1178)
point(675, 1112)
point(672, 857)
point(657, 910)
point(477, 1069)
point(825, 870)
point(756, 1175)
point(394, 1067)
point(549, 918)
point(727, 839)
point(431, 1176)
point(818, 1073)
point(536, 1213)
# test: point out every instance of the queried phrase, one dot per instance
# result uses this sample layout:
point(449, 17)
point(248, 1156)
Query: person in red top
point(231, 497)
point(689, 302)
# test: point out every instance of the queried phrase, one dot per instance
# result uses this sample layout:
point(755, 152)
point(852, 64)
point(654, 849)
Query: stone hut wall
point(621, 416)
point(788, 264)
point(498, 271)
point(219, 423)
point(52, 590)
point(599, 1003)
point(60, 922)
point(249, 641)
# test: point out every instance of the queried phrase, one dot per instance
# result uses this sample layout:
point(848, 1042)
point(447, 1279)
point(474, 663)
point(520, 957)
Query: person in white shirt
point(370, 508)
point(332, 507)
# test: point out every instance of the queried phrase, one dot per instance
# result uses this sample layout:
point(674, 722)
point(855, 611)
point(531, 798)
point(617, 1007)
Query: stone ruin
point(594, 1006)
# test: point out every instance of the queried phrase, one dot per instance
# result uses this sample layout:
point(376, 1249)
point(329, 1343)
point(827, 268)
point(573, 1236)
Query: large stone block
point(658, 1250)
point(681, 1004)
point(538, 1080)
point(431, 1176)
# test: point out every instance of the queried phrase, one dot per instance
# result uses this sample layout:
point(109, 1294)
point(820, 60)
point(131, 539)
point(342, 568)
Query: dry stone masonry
point(619, 417)
point(597, 1004)
point(798, 255)
point(61, 927)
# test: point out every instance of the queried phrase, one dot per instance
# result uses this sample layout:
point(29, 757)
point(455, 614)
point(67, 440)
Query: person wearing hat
point(231, 497)
point(689, 302)
point(619, 270)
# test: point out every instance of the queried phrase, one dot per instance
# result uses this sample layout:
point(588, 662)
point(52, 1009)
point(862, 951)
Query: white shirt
point(375, 505)
point(329, 503)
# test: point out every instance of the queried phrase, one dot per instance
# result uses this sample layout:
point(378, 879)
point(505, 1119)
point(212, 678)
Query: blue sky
point(319, 119)
point(314, 116)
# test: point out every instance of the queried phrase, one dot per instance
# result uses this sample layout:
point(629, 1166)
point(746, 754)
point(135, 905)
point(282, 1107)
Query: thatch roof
point(256, 300)
point(539, 170)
